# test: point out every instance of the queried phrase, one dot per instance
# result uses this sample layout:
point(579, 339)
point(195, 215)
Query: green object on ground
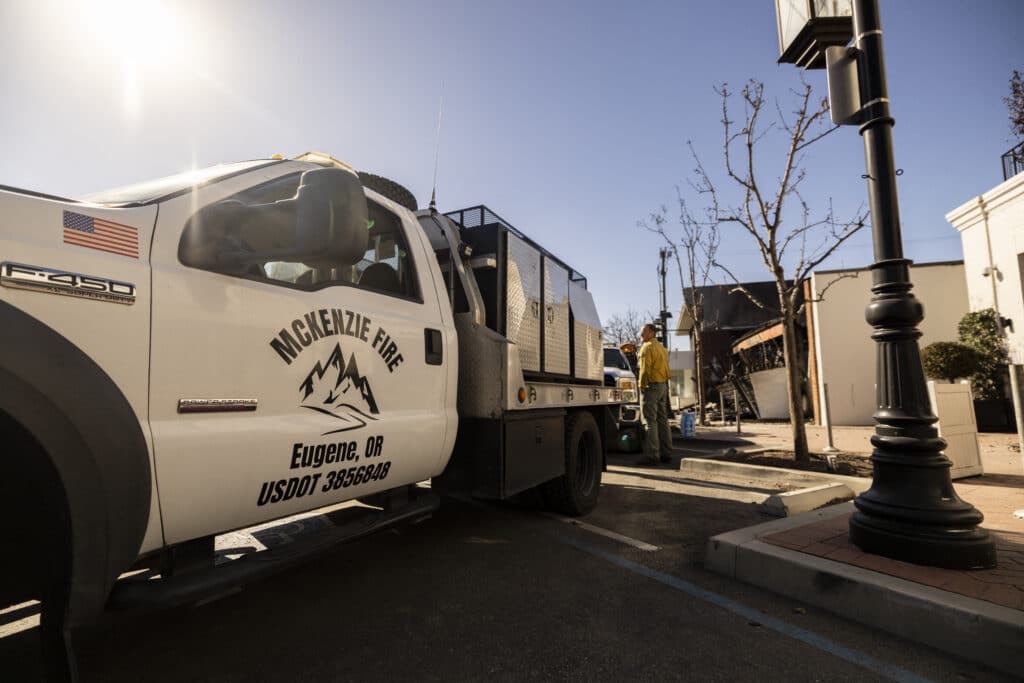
point(629, 441)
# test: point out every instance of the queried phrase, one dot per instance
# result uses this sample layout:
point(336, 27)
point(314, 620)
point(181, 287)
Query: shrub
point(949, 360)
point(982, 332)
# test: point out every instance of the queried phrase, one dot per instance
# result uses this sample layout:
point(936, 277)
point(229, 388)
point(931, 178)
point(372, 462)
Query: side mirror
point(324, 224)
point(331, 221)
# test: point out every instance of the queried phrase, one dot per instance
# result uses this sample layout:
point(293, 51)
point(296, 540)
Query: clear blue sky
point(570, 119)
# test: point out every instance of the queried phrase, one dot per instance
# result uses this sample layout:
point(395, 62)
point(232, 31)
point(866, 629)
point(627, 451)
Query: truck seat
point(381, 277)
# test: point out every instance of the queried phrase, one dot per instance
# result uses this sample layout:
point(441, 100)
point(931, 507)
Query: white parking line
point(647, 547)
point(18, 618)
point(849, 654)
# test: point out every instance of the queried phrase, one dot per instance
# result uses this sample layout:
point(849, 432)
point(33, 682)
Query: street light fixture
point(911, 511)
point(807, 27)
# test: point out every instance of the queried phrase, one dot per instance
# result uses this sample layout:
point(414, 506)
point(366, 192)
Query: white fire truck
point(211, 351)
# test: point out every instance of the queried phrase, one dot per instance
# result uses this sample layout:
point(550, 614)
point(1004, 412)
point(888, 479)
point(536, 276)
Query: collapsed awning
point(765, 333)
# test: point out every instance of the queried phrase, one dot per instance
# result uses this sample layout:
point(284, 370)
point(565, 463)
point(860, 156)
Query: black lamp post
point(911, 511)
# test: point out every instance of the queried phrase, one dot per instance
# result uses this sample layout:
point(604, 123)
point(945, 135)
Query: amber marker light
point(522, 395)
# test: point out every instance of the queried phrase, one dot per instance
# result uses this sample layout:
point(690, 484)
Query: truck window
point(387, 267)
point(613, 358)
point(452, 281)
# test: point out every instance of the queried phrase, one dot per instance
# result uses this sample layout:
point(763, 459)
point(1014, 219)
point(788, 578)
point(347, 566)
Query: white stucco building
point(841, 352)
point(991, 230)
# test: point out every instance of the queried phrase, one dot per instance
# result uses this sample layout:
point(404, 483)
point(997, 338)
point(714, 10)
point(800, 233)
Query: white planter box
point(770, 393)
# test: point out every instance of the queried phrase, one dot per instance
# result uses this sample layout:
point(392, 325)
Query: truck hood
point(616, 373)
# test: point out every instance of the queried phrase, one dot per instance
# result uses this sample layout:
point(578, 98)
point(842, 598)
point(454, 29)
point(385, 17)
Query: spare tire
point(390, 189)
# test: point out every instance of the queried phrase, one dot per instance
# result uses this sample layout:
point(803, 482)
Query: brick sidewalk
point(1003, 585)
point(997, 494)
point(997, 497)
point(975, 614)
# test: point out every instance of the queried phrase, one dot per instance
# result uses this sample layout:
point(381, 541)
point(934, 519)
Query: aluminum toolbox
point(588, 354)
point(556, 318)
point(534, 299)
point(522, 301)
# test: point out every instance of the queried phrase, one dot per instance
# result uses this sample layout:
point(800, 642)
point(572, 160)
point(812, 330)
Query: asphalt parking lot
point(510, 593)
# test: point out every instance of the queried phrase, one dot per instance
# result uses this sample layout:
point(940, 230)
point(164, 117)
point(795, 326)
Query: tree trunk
point(698, 364)
point(794, 382)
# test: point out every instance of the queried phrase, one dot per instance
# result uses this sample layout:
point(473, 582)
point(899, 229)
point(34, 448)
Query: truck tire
point(35, 533)
point(34, 525)
point(575, 492)
point(58, 656)
point(390, 189)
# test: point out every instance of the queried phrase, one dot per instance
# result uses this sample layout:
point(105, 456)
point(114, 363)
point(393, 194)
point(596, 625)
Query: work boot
point(665, 459)
point(647, 461)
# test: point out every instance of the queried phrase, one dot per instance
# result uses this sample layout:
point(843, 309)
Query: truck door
point(279, 387)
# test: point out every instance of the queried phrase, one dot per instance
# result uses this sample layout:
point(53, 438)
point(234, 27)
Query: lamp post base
point(912, 514)
point(945, 548)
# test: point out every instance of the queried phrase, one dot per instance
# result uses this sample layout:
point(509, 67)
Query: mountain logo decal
point(337, 388)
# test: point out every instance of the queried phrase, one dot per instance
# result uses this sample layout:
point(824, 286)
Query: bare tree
point(777, 218)
point(624, 327)
point(1015, 103)
point(694, 254)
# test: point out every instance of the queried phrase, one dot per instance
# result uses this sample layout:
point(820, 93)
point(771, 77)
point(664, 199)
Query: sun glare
point(141, 35)
point(139, 32)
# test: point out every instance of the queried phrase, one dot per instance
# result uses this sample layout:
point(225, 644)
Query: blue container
point(688, 424)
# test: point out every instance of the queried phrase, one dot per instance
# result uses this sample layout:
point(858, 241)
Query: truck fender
point(94, 440)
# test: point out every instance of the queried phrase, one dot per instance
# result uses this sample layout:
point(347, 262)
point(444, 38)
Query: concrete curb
point(701, 468)
point(748, 451)
point(792, 503)
point(973, 629)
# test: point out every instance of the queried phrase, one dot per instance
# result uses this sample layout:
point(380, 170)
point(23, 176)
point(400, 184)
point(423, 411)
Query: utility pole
point(663, 317)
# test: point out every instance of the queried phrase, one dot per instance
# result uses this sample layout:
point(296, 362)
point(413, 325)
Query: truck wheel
point(575, 492)
point(58, 655)
point(35, 529)
point(390, 189)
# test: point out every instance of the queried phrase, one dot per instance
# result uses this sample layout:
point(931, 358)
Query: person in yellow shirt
point(653, 381)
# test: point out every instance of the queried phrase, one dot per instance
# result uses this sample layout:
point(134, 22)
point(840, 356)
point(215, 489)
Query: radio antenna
point(437, 150)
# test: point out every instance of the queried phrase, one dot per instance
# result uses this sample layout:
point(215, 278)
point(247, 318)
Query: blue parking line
point(857, 657)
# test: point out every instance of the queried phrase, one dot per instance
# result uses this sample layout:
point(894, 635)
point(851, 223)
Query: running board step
point(230, 576)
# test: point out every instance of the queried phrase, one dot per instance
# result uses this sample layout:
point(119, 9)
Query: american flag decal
point(99, 233)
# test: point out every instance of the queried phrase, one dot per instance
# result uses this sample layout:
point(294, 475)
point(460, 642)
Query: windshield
point(613, 358)
point(152, 190)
